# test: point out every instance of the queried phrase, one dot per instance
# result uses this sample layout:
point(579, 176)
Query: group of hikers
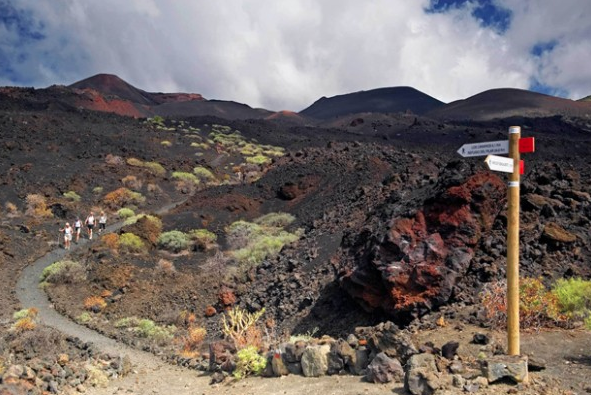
point(90, 221)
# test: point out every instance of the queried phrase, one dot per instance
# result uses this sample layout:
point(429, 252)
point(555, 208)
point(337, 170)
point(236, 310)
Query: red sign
point(521, 166)
point(527, 145)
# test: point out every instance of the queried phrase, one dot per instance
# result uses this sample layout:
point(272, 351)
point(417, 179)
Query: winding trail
point(150, 374)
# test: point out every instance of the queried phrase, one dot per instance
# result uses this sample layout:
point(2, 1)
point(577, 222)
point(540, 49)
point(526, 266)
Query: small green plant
point(125, 212)
point(73, 196)
point(184, 176)
point(258, 160)
point(173, 240)
point(97, 190)
point(203, 174)
point(84, 318)
point(25, 313)
point(249, 362)
point(574, 298)
point(166, 143)
point(127, 322)
point(304, 336)
point(155, 168)
point(132, 243)
point(278, 220)
point(147, 328)
point(63, 272)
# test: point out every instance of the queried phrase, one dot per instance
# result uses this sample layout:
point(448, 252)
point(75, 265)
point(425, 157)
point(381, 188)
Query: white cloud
point(287, 54)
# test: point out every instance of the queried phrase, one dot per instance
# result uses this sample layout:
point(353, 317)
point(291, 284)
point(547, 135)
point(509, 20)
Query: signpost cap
point(514, 129)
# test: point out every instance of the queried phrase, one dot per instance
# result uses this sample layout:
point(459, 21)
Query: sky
point(286, 54)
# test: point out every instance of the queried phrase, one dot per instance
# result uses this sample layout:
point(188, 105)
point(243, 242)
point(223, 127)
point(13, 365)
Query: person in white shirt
point(77, 227)
point(67, 235)
point(102, 221)
point(90, 220)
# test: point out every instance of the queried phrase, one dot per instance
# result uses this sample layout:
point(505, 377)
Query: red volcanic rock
point(414, 264)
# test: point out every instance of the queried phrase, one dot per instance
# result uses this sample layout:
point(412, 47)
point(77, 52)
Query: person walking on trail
point(77, 228)
point(102, 221)
point(67, 235)
point(90, 220)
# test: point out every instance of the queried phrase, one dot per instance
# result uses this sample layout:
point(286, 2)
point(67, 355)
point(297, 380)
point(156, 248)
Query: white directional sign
point(499, 163)
point(485, 148)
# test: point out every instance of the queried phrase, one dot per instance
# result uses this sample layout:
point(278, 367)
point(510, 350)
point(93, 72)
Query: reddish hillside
point(508, 102)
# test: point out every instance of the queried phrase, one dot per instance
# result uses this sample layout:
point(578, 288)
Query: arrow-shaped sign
point(499, 163)
point(485, 148)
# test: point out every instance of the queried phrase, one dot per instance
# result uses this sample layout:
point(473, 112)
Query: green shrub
point(203, 174)
point(183, 176)
point(156, 120)
point(63, 272)
point(127, 322)
point(174, 240)
point(155, 168)
point(97, 190)
point(258, 159)
point(249, 362)
point(166, 143)
point(125, 212)
point(73, 196)
point(574, 297)
point(279, 220)
point(264, 247)
point(84, 318)
point(131, 243)
point(147, 328)
point(25, 313)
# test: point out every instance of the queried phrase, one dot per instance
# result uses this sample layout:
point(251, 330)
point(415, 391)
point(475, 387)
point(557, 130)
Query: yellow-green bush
point(203, 238)
point(184, 176)
point(73, 196)
point(574, 298)
point(203, 174)
point(125, 212)
point(131, 243)
point(249, 362)
point(258, 160)
point(279, 220)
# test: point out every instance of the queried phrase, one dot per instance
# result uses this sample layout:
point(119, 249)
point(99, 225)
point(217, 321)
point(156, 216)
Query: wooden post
point(513, 245)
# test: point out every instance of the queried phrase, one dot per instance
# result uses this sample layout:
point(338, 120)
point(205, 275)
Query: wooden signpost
point(514, 166)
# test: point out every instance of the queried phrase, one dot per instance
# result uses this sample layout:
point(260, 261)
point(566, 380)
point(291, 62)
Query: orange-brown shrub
point(24, 324)
point(105, 293)
point(147, 227)
point(193, 340)
point(37, 206)
point(227, 297)
point(114, 160)
point(95, 303)
point(111, 241)
point(165, 266)
point(122, 197)
point(186, 318)
point(11, 208)
point(210, 311)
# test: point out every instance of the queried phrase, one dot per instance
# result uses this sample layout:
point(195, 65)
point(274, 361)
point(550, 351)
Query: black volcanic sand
point(336, 182)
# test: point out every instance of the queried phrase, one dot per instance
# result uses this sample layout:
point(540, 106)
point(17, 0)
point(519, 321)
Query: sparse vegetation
point(276, 220)
point(147, 328)
point(192, 341)
point(186, 177)
point(203, 174)
point(166, 143)
point(37, 206)
point(574, 298)
point(154, 168)
point(84, 318)
point(25, 320)
point(63, 272)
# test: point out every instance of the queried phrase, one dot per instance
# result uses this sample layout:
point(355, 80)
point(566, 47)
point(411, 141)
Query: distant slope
point(509, 102)
point(218, 108)
point(587, 98)
point(111, 85)
point(382, 100)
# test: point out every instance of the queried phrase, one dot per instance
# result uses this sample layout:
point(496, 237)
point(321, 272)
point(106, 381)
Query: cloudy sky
point(285, 54)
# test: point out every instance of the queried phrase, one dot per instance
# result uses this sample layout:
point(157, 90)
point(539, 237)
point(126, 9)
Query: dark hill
point(109, 84)
point(383, 100)
point(508, 102)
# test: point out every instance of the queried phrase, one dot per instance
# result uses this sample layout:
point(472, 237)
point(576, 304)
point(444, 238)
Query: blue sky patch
point(486, 11)
point(537, 86)
point(541, 48)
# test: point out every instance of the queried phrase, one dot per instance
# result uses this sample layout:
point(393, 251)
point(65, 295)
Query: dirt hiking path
point(150, 374)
